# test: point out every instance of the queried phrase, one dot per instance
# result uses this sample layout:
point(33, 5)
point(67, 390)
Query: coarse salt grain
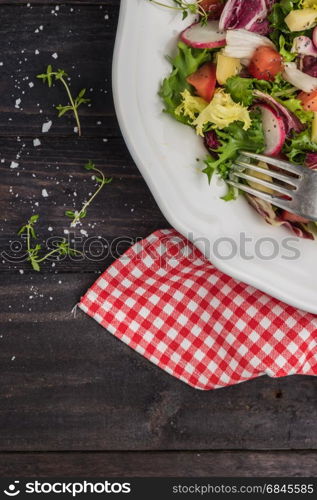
point(46, 126)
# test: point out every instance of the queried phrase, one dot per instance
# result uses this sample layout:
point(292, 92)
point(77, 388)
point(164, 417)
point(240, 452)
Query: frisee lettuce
point(234, 139)
point(186, 62)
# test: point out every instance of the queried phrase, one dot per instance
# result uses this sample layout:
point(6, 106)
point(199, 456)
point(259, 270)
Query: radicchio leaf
point(308, 64)
point(266, 211)
point(247, 14)
point(291, 121)
point(211, 141)
point(311, 161)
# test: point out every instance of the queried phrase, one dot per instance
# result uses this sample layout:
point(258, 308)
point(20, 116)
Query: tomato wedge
point(309, 100)
point(265, 64)
point(204, 81)
point(213, 8)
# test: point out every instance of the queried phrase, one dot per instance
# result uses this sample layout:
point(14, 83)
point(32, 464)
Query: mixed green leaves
point(33, 250)
point(297, 147)
point(234, 139)
point(242, 90)
point(74, 102)
point(282, 37)
point(101, 181)
point(186, 62)
point(298, 144)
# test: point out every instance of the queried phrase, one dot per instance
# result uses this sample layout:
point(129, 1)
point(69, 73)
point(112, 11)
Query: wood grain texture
point(124, 210)
point(82, 36)
point(59, 2)
point(158, 464)
point(67, 384)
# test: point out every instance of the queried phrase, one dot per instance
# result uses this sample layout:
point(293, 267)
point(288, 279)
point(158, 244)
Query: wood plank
point(125, 209)
point(83, 37)
point(67, 384)
point(158, 464)
point(58, 2)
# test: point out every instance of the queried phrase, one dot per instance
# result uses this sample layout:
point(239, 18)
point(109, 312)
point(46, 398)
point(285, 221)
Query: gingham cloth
point(166, 301)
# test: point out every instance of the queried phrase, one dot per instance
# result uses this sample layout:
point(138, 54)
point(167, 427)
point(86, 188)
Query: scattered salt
point(36, 143)
point(17, 103)
point(44, 193)
point(46, 126)
point(14, 164)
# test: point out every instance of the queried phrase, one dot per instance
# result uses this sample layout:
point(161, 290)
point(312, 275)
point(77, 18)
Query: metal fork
point(296, 190)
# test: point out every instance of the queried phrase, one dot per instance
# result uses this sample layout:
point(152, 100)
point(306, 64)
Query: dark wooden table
point(73, 400)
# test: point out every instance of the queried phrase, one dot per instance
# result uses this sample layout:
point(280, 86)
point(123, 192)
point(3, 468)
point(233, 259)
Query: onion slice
point(298, 78)
point(242, 44)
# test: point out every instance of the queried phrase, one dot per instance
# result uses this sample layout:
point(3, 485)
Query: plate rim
point(173, 219)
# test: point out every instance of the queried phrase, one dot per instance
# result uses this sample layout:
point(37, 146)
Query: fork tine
point(275, 200)
point(289, 167)
point(262, 182)
point(271, 173)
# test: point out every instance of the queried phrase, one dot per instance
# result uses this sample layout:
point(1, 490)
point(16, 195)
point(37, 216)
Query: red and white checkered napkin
point(166, 301)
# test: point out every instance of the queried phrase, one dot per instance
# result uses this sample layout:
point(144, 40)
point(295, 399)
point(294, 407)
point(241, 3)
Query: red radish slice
point(274, 130)
point(290, 120)
point(204, 37)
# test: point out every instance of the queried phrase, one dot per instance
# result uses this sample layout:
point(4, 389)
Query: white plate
point(166, 151)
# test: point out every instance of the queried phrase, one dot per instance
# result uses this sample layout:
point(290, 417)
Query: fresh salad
point(245, 78)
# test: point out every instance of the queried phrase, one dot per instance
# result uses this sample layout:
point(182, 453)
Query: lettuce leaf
point(234, 139)
point(186, 62)
point(299, 145)
point(295, 106)
point(241, 90)
point(285, 49)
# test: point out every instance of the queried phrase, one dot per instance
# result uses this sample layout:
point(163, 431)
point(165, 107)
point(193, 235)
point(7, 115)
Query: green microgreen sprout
point(186, 7)
point(33, 252)
point(74, 103)
point(101, 181)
